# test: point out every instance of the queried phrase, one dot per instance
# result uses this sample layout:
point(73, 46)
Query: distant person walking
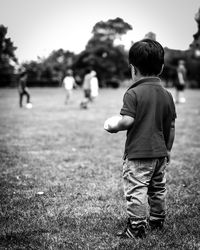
point(90, 88)
point(69, 83)
point(180, 82)
point(23, 90)
point(94, 85)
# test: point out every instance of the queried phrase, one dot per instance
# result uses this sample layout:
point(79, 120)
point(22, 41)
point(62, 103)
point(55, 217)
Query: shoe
point(156, 224)
point(130, 232)
point(83, 105)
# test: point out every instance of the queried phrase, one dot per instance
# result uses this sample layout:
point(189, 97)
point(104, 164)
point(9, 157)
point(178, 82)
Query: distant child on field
point(90, 88)
point(69, 83)
point(180, 82)
point(148, 114)
point(23, 90)
point(94, 85)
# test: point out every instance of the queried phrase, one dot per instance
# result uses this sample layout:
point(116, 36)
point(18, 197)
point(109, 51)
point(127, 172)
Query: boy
point(69, 83)
point(180, 82)
point(148, 114)
point(90, 88)
point(94, 85)
point(23, 90)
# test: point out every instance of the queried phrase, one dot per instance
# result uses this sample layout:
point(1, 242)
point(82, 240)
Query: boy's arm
point(123, 124)
point(127, 114)
point(181, 78)
point(62, 83)
point(170, 140)
point(75, 85)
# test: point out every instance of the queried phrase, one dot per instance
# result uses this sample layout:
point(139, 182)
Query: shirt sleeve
point(129, 104)
point(173, 108)
point(174, 111)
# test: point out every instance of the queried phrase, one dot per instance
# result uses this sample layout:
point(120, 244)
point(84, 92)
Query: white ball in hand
point(112, 122)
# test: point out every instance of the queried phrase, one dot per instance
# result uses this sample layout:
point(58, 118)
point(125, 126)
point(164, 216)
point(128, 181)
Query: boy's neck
point(140, 77)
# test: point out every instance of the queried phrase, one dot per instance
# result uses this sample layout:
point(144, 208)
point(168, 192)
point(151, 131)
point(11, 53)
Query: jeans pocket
point(142, 170)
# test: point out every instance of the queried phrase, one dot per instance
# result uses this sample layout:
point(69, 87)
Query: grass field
point(61, 175)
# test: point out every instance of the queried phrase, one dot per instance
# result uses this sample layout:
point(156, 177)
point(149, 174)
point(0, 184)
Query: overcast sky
point(39, 26)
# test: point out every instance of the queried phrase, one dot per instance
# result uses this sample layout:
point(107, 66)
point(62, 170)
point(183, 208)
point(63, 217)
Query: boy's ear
point(161, 69)
point(134, 71)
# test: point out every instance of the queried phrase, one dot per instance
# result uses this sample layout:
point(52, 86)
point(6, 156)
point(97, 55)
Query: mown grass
point(61, 175)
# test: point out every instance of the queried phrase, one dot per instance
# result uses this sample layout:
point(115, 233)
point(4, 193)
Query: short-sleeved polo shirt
point(153, 110)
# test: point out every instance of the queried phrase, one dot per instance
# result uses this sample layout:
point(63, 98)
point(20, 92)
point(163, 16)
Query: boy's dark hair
point(88, 70)
point(69, 72)
point(148, 56)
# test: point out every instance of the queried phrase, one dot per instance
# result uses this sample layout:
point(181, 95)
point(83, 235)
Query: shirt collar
point(146, 80)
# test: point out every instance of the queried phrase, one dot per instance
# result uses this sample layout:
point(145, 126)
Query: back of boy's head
point(88, 70)
point(147, 56)
point(69, 72)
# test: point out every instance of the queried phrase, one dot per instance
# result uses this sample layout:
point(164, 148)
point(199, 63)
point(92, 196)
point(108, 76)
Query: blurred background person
point(69, 83)
point(180, 82)
point(87, 89)
point(23, 90)
point(94, 85)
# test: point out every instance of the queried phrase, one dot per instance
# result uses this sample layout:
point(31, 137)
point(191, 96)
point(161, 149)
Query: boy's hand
point(110, 129)
point(168, 156)
point(111, 124)
point(118, 123)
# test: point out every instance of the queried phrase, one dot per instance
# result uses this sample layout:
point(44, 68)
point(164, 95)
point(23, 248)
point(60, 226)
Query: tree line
point(108, 58)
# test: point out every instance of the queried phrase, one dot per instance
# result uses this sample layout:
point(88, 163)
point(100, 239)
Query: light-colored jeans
point(145, 191)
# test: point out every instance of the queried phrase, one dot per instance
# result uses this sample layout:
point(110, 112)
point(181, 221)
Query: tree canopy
point(103, 53)
point(7, 57)
point(109, 61)
point(49, 71)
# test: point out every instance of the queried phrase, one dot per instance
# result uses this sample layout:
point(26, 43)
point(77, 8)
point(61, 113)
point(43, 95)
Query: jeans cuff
point(155, 216)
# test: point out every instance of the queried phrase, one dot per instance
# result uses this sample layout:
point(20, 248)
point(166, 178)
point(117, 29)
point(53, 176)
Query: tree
point(7, 57)
point(109, 61)
point(110, 30)
point(49, 71)
point(195, 45)
point(193, 56)
point(101, 54)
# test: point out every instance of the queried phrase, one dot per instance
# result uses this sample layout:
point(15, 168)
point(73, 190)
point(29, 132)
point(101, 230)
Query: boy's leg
point(157, 195)
point(27, 96)
point(137, 175)
point(20, 99)
point(84, 103)
point(182, 97)
point(70, 94)
point(67, 96)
